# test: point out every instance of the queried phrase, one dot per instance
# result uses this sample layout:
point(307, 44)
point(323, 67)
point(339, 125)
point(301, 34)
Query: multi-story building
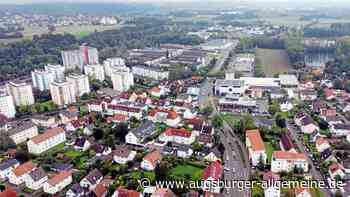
point(22, 131)
point(181, 136)
point(156, 73)
point(122, 79)
point(47, 140)
point(283, 161)
point(80, 83)
point(95, 71)
point(57, 70)
point(256, 147)
point(111, 63)
point(42, 79)
point(63, 93)
point(7, 107)
point(19, 174)
point(21, 92)
point(58, 182)
point(76, 59)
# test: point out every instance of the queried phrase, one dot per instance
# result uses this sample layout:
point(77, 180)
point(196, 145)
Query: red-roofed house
point(151, 160)
point(58, 182)
point(157, 91)
point(329, 94)
point(321, 144)
point(20, 173)
point(99, 105)
point(167, 116)
point(8, 192)
point(47, 140)
point(117, 118)
point(336, 170)
point(302, 192)
point(163, 192)
point(181, 136)
point(287, 161)
point(212, 172)
point(121, 192)
point(99, 191)
point(256, 147)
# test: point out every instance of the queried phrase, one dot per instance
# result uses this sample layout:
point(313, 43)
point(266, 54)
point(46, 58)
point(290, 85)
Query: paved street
point(219, 64)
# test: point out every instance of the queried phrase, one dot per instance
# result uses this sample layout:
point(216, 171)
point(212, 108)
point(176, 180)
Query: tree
point(280, 121)
point(261, 163)
point(207, 110)
point(217, 121)
point(161, 171)
point(120, 131)
point(6, 142)
point(97, 133)
point(274, 108)
point(22, 156)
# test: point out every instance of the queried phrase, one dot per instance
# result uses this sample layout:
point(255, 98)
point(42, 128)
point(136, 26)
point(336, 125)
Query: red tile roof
point(59, 177)
point(288, 155)
point(182, 132)
point(213, 171)
point(153, 157)
point(9, 192)
point(100, 190)
point(257, 144)
point(171, 113)
point(24, 168)
point(299, 190)
point(335, 167)
point(48, 134)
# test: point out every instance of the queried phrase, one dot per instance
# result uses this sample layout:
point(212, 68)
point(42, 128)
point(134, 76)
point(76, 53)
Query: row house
point(123, 155)
point(167, 116)
point(283, 161)
point(151, 160)
point(19, 174)
point(126, 108)
point(46, 141)
point(256, 147)
point(21, 131)
point(58, 182)
point(181, 136)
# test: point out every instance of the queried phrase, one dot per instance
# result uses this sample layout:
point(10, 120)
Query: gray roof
point(94, 176)
point(145, 130)
point(16, 127)
point(288, 80)
point(236, 82)
point(342, 126)
point(37, 174)
point(7, 164)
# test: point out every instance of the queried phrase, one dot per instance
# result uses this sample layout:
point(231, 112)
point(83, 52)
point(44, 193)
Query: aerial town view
point(174, 98)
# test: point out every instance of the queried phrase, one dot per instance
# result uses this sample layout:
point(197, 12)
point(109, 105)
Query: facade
point(95, 71)
point(80, 83)
point(46, 141)
point(169, 117)
point(122, 155)
point(111, 63)
point(7, 106)
point(181, 136)
point(22, 131)
point(91, 180)
point(58, 182)
point(122, 79)
point(150, 72)
point(42, 79)
point(20, 174)
point(36, 178)
point(63, 93)
point(6, 168)
point(76, 59)
point(57, 71)
point(21, 92)
point(256, 147)
point(151, 160)
point(90, 54)
point(138, 135)
point(283, 161)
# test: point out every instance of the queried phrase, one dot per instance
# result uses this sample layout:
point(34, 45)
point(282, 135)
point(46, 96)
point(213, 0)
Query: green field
point(187, 171)
point(269, 151)
point(73, 153)
point(272, 61)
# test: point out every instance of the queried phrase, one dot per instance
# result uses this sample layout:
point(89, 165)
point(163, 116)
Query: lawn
point(137, 175)
point(187, 171)
point(269, 151)
point(73, 153)
point(316, 192)
point(257, 190)
point(55, 149)
point(231, 119)
point(272, 61)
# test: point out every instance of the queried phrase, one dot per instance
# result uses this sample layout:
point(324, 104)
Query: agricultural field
point(272, 61)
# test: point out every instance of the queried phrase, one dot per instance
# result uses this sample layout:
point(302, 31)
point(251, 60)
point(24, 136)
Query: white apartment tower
point(21, 92)
point(95, 71)
point(76, 59)
point(122, 79)
point(42, 79)
point(62, 93)
point(57, 71)
point(109, 63)
point(80, 83)
point(7, 107)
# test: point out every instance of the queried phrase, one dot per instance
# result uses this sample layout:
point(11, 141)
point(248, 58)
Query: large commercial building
point(95, 71)
point(21, 92)
point(109, 63)
point(80, 83)
point(42, 79)
point(62, 93)
point(7, 107)
point(57, 70)
point(76, 59)
point(122, 79)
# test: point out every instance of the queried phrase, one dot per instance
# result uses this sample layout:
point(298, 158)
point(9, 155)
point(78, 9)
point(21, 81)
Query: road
point(314, 172)
point(219, 64)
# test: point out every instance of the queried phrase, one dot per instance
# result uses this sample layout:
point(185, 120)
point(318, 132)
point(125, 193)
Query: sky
point(151, 1)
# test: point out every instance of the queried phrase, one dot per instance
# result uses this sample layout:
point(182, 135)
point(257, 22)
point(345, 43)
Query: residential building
point(21, 92)
point(308, 126)
point(121, 192)
point(212, 172)
point(57, 71)
point(36, 178)
point(151, 72)
point(111, 63)
point(42, 79)
point(138, 135)
point(122, 79)
point(46, 141)
point(302, 192)
point(272, 190)
point(90, 54)
point(321, 144)
point(21, 131)
point(76, 59)
point(163, 192)
point(256, 147)
point(95, 71)
point(58, 182)
point(7, 106)
point(283, 161)
point(63, 93)
point(20, 174)
point(336, 171)
point(92, 179)
point(82, 144)
point(130, 109)
point(75, 191)
point(80, 83)
point(286, 143)
point(123, 155)
point(151, 160)
point(340, 129)
point(6, 168)
point(181, 136)
point(44, 121)
point(167, 116)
